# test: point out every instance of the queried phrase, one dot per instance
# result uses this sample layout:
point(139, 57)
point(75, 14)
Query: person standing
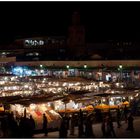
point(63, 128)
point(22, 126)
point(103, 127)
point(118, 117)
point(4, 127)
point(72, 124)
point(110, 127)
point(13, 126)
point(32, 126)
point(125, 113)
point(80, 124)
point(45, 123)
point(88, 128)
point(130, 123)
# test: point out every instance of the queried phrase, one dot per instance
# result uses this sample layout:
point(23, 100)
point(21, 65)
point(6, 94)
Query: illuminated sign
point(34, 42)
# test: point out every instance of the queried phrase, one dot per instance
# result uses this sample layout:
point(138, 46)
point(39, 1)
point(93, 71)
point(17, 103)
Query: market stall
point(37, 110)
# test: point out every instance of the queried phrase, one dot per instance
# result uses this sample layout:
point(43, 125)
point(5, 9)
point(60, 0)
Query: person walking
point(45, 123)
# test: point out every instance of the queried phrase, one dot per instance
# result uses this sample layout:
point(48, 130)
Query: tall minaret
point(76, 35)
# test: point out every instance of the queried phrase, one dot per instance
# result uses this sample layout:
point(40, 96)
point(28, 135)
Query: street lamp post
point(67, 66)
point(120, 68)
point(85, 67)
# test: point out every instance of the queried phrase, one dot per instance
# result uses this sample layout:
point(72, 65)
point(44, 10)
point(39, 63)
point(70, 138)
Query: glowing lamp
point(85, 66)
point(120, 66)
point(67, 66)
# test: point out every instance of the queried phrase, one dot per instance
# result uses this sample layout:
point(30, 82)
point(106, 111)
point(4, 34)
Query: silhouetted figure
point(45, 123)
point(125, 113)
point(63, 128)
point(110, 128)
point(107, 127)
point(67, 120)
point(72, 125)
point(32, 125)
point(103, 127)
point(24, 127)
point(4, 127)
point(118, 117)
point(88, 128)
point(27, 128)
point(25, 112)
point(80, 124)
point(21, 127)
point(13, 126)
point(130, 123)
point(98, 115)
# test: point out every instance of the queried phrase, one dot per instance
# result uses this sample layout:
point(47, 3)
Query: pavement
point(120, 132)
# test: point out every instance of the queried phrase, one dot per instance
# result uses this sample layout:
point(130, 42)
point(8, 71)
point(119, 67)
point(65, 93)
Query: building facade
point(72, 46)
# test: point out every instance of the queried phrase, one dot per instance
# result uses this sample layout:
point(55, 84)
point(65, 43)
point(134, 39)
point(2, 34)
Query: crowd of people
point(85, 123)
point(24, 127)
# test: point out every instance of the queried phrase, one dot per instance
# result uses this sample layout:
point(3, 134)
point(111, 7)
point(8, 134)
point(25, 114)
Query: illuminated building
point(41, 48)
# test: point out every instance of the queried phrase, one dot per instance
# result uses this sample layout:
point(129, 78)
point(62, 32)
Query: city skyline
point(102, 20)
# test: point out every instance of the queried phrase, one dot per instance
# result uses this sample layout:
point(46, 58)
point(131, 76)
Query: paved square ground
point(120, 132)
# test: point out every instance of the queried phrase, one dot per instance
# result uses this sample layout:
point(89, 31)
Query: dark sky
point(102, 20)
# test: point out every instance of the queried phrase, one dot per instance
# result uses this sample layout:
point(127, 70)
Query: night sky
point(102, 20)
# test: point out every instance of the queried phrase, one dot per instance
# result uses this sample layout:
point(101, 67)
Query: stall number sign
point(34, 42)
